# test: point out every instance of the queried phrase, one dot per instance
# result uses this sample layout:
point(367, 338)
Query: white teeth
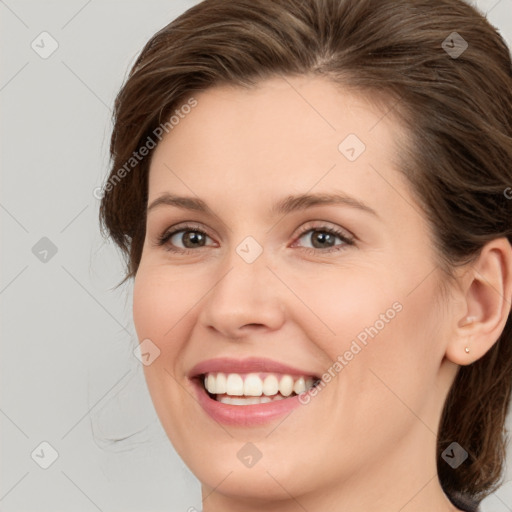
point(210, 383)
point(233, 401)
point(248, 401)
point(254, 385)
point(286, 385)
point(234, 384)
point(299, 386)
point(220, 383)
point(270, 385)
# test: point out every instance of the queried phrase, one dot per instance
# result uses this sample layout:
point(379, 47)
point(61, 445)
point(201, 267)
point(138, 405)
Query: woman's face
point(346, 289)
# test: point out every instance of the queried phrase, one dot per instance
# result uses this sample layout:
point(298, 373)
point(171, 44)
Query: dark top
point(464, 502)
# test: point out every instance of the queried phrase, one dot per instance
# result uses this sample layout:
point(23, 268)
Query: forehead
point(312, 108)
point(285, 133)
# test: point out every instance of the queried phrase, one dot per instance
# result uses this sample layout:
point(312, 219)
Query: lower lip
point(244, 415)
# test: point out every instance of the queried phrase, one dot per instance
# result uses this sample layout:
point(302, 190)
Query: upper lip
point(247, 365)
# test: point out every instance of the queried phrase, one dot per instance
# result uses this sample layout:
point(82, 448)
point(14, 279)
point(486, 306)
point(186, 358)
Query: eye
point(190, 236)
point(323, 239)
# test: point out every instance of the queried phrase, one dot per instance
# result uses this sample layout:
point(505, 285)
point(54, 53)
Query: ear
point(487, 290)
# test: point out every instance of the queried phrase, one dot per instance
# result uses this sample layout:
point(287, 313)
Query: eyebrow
point(283, 207)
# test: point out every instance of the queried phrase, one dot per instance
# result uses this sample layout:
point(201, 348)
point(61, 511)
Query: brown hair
point(456, 108)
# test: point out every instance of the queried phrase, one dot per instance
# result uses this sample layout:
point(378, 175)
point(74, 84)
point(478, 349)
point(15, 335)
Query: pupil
point(322, 237)
point(193, 237)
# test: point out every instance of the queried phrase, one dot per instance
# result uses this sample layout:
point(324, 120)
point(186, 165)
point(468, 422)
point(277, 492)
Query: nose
point(245, 298)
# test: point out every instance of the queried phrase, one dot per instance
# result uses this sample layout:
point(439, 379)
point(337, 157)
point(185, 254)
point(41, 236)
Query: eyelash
point(347, 241)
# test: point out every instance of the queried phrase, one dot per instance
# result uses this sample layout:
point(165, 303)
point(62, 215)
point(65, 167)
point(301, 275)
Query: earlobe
point(459, 349)
point(469, 320)
point(488, 297)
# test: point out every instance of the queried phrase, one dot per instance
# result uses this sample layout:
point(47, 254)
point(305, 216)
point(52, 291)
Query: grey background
point(68, 373)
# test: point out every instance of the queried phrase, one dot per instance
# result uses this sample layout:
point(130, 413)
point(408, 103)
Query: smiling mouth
point(254, 388)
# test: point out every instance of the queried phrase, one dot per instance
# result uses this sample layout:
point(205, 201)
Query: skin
point(366, 442)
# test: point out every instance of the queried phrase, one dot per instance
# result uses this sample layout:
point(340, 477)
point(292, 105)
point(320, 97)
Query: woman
point(314, 201)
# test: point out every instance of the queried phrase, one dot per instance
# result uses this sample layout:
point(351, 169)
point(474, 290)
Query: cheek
point(160, 306)
point(384, 338)
point(344, 305)
point(160, 300)
point(398, 365)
